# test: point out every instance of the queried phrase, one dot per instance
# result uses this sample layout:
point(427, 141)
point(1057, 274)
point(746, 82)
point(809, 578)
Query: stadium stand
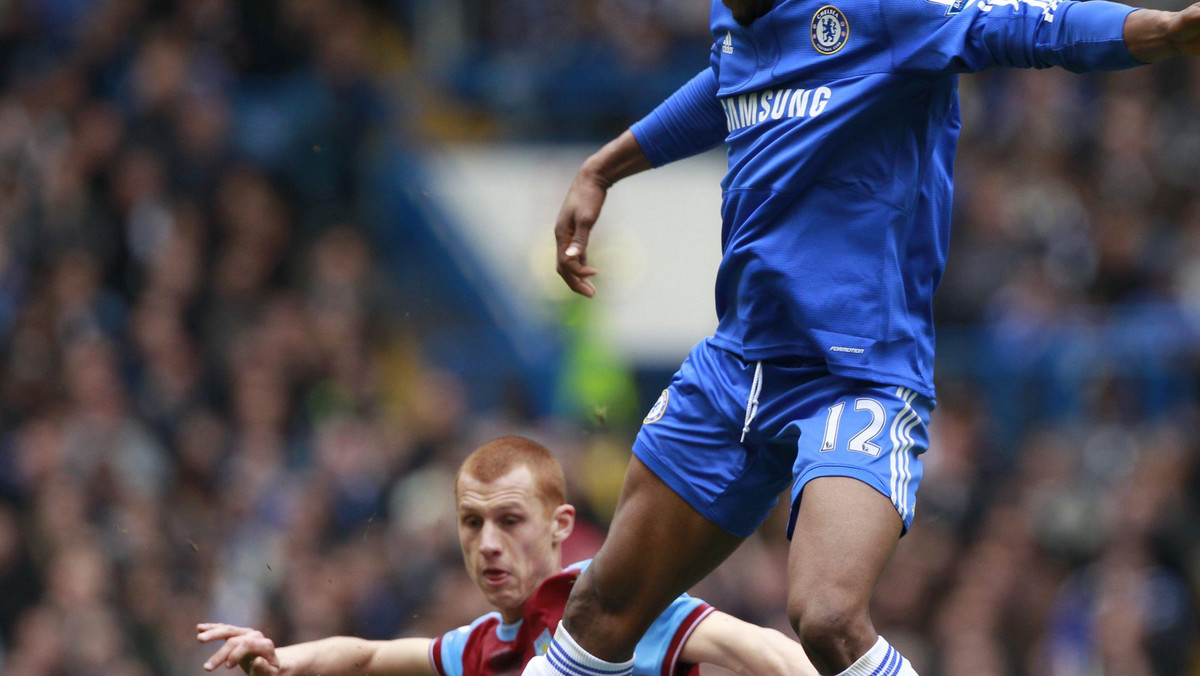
point(240, 365)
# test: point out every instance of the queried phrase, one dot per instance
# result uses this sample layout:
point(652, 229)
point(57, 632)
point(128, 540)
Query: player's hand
point(1153, 35)
point(574, 226)
point(618, 158)
point(247, 648)
point(1184, 30)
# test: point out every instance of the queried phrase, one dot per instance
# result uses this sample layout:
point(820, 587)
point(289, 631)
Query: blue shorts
point(807, 423)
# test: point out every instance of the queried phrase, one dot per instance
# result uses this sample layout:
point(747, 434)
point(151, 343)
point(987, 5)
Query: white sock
point(881, 660)
point(566, 658)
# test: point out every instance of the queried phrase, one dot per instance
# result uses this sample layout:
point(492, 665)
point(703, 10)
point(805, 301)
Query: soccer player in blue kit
point(840, 119)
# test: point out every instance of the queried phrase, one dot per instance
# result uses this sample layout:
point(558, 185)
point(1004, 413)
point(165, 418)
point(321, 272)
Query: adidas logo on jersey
point(727, 45)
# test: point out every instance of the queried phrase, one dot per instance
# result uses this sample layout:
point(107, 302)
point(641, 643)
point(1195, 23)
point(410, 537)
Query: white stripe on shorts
point(901, 444)
point(906, 432)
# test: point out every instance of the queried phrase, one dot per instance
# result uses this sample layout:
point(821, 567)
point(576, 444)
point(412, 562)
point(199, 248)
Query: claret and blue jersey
point(841, 119)
point(488, 647)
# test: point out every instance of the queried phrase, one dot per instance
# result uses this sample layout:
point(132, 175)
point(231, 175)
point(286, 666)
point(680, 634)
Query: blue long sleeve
point(688, 122)
point(1078, 36)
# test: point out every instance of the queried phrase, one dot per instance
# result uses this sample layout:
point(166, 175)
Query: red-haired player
point(512, 521)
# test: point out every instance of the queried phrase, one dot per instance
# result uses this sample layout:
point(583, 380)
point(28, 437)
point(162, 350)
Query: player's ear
point(564, 522)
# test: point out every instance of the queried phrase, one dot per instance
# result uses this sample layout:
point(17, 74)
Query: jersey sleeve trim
point(675, 649)
point(435, 656)
point(450, 649)
point(578, 566)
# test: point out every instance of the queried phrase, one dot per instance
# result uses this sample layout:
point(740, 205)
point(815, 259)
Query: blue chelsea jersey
point(841, 120)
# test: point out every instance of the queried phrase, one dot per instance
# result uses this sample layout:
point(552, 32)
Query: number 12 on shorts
point(863, 442)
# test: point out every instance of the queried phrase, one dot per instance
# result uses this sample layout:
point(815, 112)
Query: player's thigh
point(845, 533)
point(692, 492)
point(692, 441)
point(658, 545)
point(857, 470)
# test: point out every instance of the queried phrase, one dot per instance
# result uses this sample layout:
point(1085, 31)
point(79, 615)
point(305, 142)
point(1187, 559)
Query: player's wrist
point(597, 171)
point(618, 159)
point(292, 659)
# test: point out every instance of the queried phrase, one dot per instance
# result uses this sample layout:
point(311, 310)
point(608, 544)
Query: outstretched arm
point(1092, 36)
point(1153, 35)
point(745, 649)
point(257, 655)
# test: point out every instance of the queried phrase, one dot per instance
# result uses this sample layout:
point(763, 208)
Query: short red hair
point(500, 456)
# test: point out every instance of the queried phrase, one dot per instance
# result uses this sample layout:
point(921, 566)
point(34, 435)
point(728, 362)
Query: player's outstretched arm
point(745, 649)
point(257, 655)
point(620, 158)
point(1153, 35)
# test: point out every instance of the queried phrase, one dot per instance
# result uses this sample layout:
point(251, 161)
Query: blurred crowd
point(214, 408)
point(553, 70)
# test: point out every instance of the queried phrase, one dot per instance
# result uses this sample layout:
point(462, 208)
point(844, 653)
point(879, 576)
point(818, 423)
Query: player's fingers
point(577, 246)
point(575, 274)
point(216, 632)
point(578, 284)
point(259, 666)
point(246, 650)
point(577, 268)
point(208, 632)
point(573, 228)
point(218, 658)
point(564, 227)
point(582, 287)
point(576, 264)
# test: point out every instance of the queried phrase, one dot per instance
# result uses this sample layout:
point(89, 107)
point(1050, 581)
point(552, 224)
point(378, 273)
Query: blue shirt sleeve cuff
point(645, 131)
point(1095, 37)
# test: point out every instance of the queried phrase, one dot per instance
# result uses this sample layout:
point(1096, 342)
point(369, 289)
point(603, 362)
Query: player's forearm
point(620, 158)
point(745, 649)
point(782, 650)
point(772, 654)
point(1149, 33)
point(329, 657)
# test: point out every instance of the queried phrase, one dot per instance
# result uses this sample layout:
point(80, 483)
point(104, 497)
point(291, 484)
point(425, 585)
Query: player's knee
point(581, 605)
point(591, 599)
point(826, 621)
point(608, 618)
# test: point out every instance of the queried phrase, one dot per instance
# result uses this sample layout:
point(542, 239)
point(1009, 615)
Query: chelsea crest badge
point(830, 30)
point(660, 407)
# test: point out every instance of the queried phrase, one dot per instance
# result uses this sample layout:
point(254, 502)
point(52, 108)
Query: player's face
point(510, 540)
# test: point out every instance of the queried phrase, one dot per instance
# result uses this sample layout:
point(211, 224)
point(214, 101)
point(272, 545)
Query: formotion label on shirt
point(829, 30)
point(744, 110)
